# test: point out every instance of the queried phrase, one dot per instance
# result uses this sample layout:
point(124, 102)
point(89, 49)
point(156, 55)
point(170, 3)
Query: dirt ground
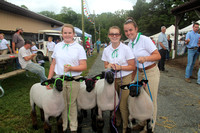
point(181, 62)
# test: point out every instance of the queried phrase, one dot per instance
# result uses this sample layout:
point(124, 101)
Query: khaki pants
point(49, 55)
point(122, 111)
point(3, 52)
point(73, 123)
point(153, 77)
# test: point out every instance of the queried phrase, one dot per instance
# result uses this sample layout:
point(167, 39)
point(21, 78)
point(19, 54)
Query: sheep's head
point(58, 83)
point(109, 76)
point(90, 82)
point(135, 88)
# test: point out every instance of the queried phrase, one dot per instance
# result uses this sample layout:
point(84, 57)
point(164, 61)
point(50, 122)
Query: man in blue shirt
point(191, 40)
point(98, 43)
point(163, 48)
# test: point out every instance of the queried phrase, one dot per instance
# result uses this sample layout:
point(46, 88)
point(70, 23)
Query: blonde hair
point(2, 34)
point(69, 26)
point(114, 27)
point(130, 20)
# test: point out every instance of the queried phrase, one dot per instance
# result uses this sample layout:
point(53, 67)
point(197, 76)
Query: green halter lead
point(115, 53)
point(138, 37)
point(60, 79)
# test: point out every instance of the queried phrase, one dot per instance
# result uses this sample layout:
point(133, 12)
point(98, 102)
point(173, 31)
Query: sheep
point(50, 102)
point(106, 95)
point(86, 98)
point(140, 104)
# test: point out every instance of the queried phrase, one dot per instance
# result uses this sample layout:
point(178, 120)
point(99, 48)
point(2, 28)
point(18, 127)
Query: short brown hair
point(69, 26)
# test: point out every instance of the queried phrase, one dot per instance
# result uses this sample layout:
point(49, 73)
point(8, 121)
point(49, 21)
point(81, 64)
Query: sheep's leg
point(149, 128)
point(34, 117)
point(42, 114)
point(100, 121)
point(80, 120)
point(84, 112)
point(59, 124)
point(94, 113)
point(47, 126)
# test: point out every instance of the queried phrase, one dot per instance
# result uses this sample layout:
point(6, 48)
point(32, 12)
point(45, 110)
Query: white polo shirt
point(71, 55)
point(144, 47)
point(23, 53)
point(3, 44)
point(50, 46)
point(120, 57)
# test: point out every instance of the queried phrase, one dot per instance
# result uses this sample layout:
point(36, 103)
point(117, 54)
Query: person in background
point(34, 50)
point(50, 48)
point(4, 46)
point(88, 47)
point(57, 41)
point(163, 48)
point(69, 58)
point(98, 43)
point(25, 56)
point(118, 56)
point(145, 53)
point(191, 40)
point(170, 46)
point(17, 43)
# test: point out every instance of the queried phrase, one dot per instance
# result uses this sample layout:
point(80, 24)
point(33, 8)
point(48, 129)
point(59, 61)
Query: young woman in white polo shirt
point(146, 53)
point(69, 58)
point(119, 57)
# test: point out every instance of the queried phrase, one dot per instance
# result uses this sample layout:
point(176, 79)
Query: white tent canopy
point(187, 28)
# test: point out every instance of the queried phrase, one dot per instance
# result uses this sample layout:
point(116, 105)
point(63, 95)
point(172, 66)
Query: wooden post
point(83, 32)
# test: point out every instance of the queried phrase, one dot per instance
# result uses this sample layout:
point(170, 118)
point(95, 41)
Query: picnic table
point(3, 76)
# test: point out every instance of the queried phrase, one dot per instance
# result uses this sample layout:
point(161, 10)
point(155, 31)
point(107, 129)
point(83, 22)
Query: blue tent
point(77, 31)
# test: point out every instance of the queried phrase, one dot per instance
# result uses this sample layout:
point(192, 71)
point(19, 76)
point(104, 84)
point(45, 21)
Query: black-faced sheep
point(140, 104)
point(106, 95)
point(50, 102)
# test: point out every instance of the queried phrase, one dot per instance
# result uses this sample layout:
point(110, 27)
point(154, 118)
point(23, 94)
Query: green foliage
point(149, 16)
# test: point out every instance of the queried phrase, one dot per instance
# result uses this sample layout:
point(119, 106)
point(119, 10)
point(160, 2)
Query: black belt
point(193, 48)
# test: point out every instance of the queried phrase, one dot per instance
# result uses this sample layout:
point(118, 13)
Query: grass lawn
point(15, 106)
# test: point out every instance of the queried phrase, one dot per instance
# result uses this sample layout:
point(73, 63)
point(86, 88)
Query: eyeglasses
point(114, 34)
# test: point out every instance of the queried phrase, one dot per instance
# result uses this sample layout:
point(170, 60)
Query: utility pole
point(95, 39)
point(99, 32)
point(83, 32)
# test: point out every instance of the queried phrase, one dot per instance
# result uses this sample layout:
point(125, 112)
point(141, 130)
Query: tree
point(23, 6)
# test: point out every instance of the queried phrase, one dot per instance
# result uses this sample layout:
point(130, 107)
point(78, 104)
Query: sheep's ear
point(97, 77)
point(102, 74)
point(123, 86)
point(81, 79)
point(47, 82)
point(144, 81)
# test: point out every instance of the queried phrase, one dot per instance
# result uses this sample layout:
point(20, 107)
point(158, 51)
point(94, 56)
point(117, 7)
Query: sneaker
point(187, 80)
point(193, 77)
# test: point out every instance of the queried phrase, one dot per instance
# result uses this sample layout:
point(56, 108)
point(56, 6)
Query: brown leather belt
point(148, 67)
point(195, 48)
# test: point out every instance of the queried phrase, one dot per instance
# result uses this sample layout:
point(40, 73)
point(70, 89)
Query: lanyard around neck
point(136, 40)
point(65, 46)
point(115, 53)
